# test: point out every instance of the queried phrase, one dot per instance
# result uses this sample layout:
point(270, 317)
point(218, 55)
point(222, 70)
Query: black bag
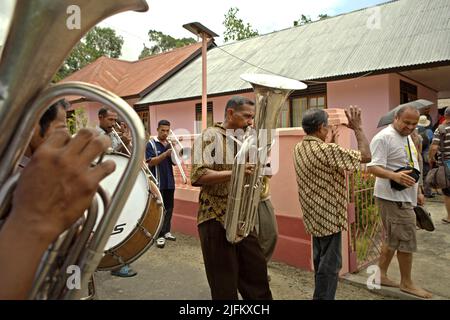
point(414, 174)
point(423, 218)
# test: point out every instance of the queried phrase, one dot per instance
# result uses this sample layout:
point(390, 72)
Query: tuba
point(271, 93)
point(38, 41)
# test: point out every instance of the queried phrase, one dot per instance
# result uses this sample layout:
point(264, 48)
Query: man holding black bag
point(441, 147)
point(396, 167)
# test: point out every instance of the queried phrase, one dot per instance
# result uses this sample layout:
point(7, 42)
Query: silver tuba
point(38, 41)
point(271, 93)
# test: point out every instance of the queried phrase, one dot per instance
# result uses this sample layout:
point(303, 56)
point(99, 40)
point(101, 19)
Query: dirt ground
point(176, 272)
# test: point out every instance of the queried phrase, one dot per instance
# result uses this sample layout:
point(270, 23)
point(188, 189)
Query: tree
point(307, 19)
point(77, 120)
point(163, 42)
point(235, 29)
point(97, 42)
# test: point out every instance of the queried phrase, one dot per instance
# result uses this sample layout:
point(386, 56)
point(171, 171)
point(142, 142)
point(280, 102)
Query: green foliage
point(364, 199)
point(323, 16)
point(307, 19)
point(77, 120)
point(97, 42)
point(163, 42)
point(235, 28)
point(367, 218)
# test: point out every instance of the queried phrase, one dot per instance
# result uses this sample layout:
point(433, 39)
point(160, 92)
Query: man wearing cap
point(442, 156)
point(427, 136)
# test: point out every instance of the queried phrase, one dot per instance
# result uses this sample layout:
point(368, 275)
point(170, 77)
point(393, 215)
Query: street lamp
point(206, 34)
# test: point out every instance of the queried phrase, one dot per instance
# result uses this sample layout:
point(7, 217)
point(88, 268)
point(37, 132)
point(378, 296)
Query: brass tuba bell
point(38, 41)
point(271, 93)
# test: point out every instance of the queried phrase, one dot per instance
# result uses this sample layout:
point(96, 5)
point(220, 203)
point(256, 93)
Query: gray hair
point(400, 111)
point(447, 112)
point(312, 119)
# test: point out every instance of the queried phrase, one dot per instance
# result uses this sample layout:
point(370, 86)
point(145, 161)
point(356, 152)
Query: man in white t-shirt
point(120, 142)
point(391, 149)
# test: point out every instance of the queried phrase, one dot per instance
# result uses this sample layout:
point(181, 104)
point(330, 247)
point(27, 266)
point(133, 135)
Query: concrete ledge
point(394, 293)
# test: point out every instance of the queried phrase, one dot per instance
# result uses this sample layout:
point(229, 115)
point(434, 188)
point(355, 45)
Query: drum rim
point(136, 229)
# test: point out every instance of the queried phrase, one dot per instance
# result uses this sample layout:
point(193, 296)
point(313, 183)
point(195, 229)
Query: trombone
point(175, 155)
point(144, 165)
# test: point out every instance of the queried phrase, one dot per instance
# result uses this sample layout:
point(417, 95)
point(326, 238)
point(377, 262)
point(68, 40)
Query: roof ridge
point(166, 52)
point(316, 21)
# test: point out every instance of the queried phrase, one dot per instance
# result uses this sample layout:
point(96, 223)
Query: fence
point(365, 231)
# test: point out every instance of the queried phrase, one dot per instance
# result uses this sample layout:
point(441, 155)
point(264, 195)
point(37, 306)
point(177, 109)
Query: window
point(198, 116)
point(284, 118)
point(315, 96)
point(300, 104)
point(408, 92)
point(144, 118)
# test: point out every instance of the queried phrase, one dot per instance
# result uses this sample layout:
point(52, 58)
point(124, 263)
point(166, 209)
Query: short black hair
point(102, 112)
point(50, 115)
point(312, 119)
point(237, 102)
point(163, 123)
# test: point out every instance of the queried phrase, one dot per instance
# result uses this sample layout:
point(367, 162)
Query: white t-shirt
point(390, 150)
point(115, 140)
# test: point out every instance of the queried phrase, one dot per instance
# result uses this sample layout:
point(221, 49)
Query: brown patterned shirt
point(320, 169)
point(210, 152)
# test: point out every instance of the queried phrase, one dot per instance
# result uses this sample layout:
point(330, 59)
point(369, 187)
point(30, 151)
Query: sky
point(169, 16)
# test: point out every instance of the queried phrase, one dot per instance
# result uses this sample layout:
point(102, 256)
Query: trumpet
point(175, 155)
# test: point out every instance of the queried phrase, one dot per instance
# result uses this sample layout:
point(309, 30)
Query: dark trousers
point(327, 263)
point(167, 196)
point(233, 267)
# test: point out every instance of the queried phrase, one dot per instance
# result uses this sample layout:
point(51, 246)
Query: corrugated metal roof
point(411, 32)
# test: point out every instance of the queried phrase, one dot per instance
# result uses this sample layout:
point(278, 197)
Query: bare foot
point(385, 281)
point(416, 291)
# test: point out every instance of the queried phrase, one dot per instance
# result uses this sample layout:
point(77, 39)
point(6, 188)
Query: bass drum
point(140, 220)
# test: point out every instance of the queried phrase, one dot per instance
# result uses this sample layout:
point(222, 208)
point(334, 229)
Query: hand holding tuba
point(271, 93)
point(38, 41)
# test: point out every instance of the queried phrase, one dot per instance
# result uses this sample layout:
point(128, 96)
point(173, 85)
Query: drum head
point(134, 208)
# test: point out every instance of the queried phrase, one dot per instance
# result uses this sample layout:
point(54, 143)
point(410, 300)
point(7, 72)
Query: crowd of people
point(399, 156)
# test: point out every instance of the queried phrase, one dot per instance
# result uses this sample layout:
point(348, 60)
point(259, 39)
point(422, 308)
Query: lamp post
point(206, 35)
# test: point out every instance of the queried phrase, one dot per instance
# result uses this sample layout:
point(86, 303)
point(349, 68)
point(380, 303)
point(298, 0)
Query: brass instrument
point(38, 41)
point(144, 165)
point(265, 187)
point(271, 93)
point(175, 155)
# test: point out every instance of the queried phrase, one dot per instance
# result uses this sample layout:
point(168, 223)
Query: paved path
point(431, 263)
point(177, 273)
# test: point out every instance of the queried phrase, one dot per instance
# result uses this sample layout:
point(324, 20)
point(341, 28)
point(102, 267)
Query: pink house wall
point(92, 108)
point(371, 94)
point(294, 244)
point(422, 93)
point(182, 114)
point(375, 95)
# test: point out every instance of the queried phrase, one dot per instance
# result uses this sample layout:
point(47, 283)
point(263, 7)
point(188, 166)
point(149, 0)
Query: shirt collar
point(312, 138)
